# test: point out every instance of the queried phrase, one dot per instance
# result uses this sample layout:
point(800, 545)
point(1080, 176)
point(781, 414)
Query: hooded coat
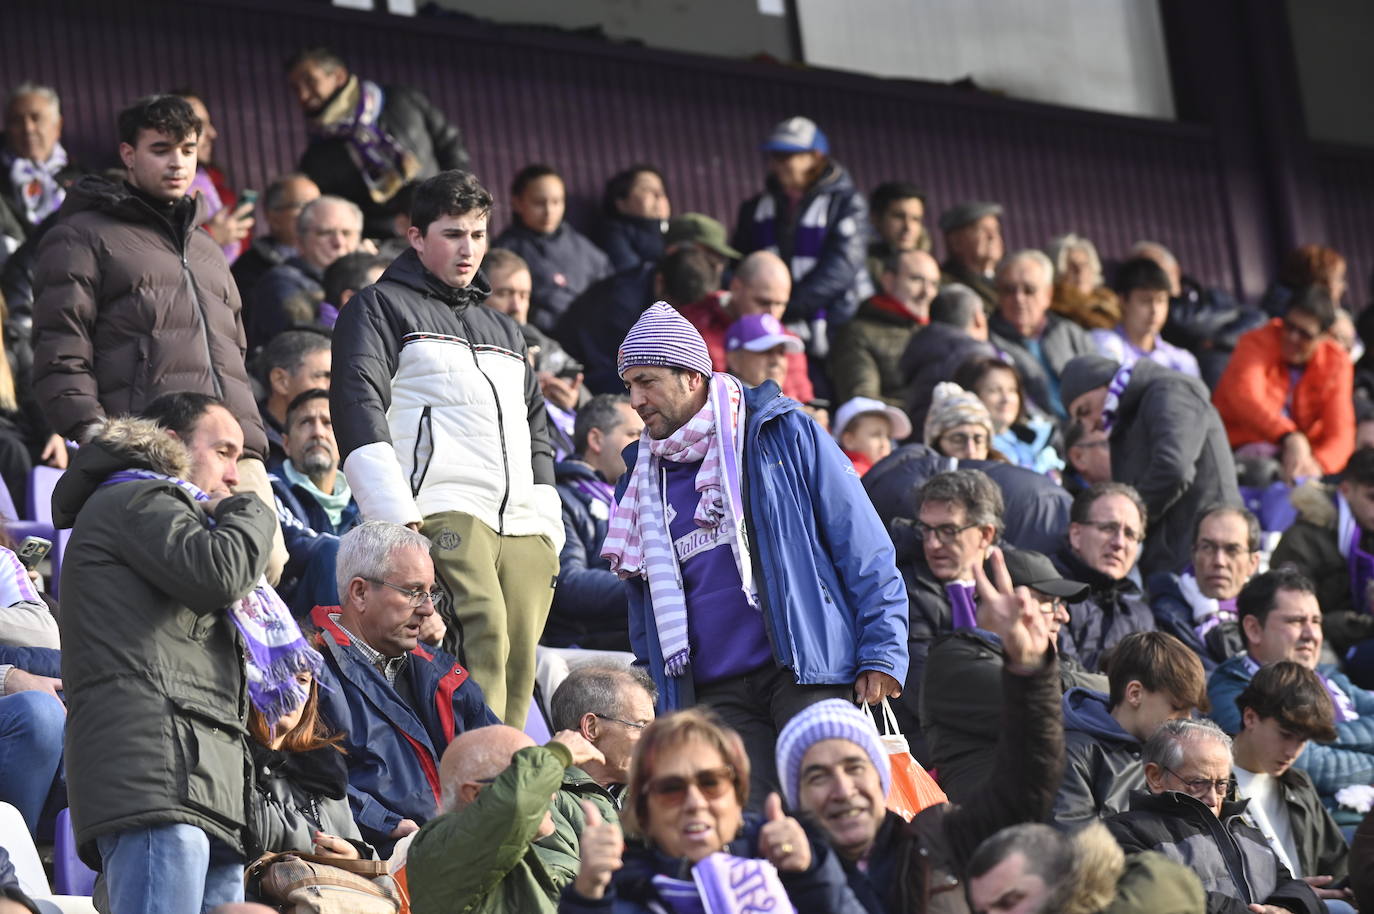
point(131, 303)
point(1102, 761)
point(152, 664)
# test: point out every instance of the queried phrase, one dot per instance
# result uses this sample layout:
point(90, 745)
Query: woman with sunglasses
point(689, 782)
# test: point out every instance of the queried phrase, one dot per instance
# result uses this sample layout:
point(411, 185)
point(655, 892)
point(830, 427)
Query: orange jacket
point(1252, 391)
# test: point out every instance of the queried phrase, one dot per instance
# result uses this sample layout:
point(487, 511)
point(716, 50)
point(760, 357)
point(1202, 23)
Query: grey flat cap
point(956, 217)
point(1084, 373)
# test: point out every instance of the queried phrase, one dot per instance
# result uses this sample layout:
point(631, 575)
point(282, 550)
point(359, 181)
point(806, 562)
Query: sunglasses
point(713, 783)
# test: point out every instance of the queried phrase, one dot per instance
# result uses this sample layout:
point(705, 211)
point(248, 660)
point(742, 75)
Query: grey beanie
point(1084, 373)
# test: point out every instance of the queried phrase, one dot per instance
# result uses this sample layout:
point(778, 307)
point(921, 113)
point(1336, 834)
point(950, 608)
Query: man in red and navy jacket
point(398, 701)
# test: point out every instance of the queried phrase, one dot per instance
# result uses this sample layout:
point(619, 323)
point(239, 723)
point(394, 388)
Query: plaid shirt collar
point(389, 667)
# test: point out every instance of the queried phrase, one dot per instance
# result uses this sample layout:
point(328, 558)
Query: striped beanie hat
point(833, 718)
point(664, 338)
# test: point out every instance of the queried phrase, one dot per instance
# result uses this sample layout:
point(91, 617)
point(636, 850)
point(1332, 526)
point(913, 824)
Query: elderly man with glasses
point(397, 698)
point(1188, 816)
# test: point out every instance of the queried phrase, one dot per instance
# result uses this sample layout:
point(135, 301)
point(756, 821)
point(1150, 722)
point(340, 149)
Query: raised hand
point(582, 751)
point(602, 849)
point(1011, 613)
point(782, 839)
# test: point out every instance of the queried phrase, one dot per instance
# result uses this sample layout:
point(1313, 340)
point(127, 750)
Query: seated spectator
point(1025, 439)
point(865, 430)
point(1089, 457)
point(32, 718)
point(958, 518)
point(26, 438)
point(1039, 343)
point(294, 362)
point(1079, 293)
point(1032, 867)
point(1287, 395)
point(487, 849)
point(280, 208)
point(590, 604)
point(1187, 816)
point(562, 262)
point(1144, 289)
point(38, 171)
point(1106, 528)
point(314, 504)
point(1199, 606)
point(368, 141)
point(300, 797)
point(25, 617)
point(962, 705)
point(897, 211)
point(866, 351)
point(835, 769)
point(344, 278)
point(1152, 678)
point(756, 349)
point(1167, 442)
point(1308, 265)
point(636, 210)
point(812, 216)
point(1331, 543)
point(973, 238)
point(398, 700)
point(290, 293)
point(609, 706)
point(1282, 708)
point(1281, 621)
point(230, 223)
point(958, 425)
point(958, 332)
point(689, 783)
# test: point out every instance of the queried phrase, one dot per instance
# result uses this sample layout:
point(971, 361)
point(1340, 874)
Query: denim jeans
point(30, 751)
point(169, 869)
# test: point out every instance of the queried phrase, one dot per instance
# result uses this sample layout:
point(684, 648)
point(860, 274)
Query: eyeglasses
point(713, 783)
point(417, 597)
point(1232, 551)
point(1110, 528)
point(963, 439)
point(1052, 605)
point(633, 725)
point(945, 533)
point(1301, 333)
point(1200, 787)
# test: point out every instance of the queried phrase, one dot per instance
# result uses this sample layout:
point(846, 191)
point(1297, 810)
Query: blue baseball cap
point(797, 134)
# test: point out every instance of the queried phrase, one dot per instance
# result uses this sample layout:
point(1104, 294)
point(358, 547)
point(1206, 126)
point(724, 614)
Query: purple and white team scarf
point(1115, 389)
point(275, 649)
point(740, 885)
point(385, 165)
point(35, 183)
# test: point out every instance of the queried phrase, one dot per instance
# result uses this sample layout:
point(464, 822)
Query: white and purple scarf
point(740, 885)
point(1112, 404)
point(35, 184)
point(1359, 562)
point(355, 117)
point(275, 650)
point(638, 540)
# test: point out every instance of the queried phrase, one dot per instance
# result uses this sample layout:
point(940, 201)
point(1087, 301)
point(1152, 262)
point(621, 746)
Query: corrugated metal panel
point(590, 108)
point(1347, 183)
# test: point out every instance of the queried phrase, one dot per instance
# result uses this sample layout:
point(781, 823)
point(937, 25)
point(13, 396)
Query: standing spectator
point(1039, 342)
point(958, 424)
point(1089, 458)
point(973, 238)
point(162, 564)
point(36, 165)
point(1144, 289)
point(610, 706)
point(812, 216)
point(228, 223)
point(590, 605)
point(1287, 394)
point(1025, 439)
point(712, 629)
point(441, 423)
point(1167, 443)
point(294, 362)
point(958, 332)
point(368, 140)
point(124, 260)
point(1106, 527)
point(281, 206)
point(866, 351)
point(865, 430)
point(1079, 293)
point(636, 210)
point(562, 262)
point(897, 210)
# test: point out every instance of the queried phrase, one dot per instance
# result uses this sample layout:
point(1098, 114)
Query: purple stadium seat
point(70, 875)
point(21, 528)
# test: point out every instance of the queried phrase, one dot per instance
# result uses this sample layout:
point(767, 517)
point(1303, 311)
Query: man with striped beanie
point(761, 579)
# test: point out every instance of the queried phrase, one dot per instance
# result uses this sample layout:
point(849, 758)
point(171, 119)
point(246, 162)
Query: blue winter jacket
point(40, 661)
point(312, 543)
point(1331, 766)
point(632, 240)
point(833, 601)
point(562, 264)
point(393, 748)
point(589, 604)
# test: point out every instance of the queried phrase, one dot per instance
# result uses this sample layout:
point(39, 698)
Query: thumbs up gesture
point(782, 839)
point(602, 849)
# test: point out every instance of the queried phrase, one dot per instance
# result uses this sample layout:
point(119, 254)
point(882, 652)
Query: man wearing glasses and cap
point(973, 237)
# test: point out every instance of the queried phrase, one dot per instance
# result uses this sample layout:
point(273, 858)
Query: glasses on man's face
point(1301, 333)
point(1051, 606)
point(417, 597)
point(945, 533)
point(1200, 787)
point(1231, 551)
point(1110, 529)
point(633, 725)
point(963, 439)
point(713, 783)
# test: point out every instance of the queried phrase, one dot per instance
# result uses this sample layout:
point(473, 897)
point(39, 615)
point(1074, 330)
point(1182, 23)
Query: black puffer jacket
point(632, 240)
point(1113, 609)
point(1102, 761)
point(563, 264)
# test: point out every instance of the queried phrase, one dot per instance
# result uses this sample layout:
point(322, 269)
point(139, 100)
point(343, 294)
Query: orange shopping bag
point(913, 789)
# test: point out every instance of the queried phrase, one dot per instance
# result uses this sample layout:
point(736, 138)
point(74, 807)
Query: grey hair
point(1060, 247)
point(1032, 254)
point(32, 88)
point(974, 489)
point(596, 688)
point(1165, 747)
point(1049, 853)
point(956, 305)
point(1143, 249)
point(366, 550)
point(306, 219)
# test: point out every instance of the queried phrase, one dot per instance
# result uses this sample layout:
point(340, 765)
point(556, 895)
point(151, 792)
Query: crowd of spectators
point(366, 501)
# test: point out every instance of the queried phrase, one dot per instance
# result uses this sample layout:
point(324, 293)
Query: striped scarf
point(35, 184)
point(638, 541)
